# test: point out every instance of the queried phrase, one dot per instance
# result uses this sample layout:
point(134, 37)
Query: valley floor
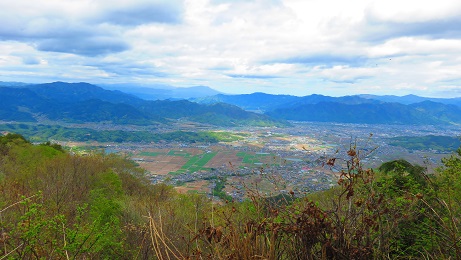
point(277, 160)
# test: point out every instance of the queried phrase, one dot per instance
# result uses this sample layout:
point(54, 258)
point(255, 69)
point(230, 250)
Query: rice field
point(190, 160)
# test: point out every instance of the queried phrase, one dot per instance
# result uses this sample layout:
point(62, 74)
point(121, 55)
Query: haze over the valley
point(295, 47)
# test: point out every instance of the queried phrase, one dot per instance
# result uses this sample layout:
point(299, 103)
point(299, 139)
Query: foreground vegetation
point(56, 205)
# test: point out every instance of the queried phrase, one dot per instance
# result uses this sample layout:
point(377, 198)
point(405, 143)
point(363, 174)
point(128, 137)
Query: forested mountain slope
point(83, 102)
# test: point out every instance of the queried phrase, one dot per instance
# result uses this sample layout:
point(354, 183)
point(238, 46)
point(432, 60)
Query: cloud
point(384, 20)
point(326, 60)
point(411, 12)
point(447, 91)
point(405, 46)
point(350, 81)
point(249, 76)
point(286, 46)
point(127, 69)
point(343, 74)
point(141, 12)
point(29, 60)
point(51, 29)
point(278, 2)
point(379, 31)
point(92, 46)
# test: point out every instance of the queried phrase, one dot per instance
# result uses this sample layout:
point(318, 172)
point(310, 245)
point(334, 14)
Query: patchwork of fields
point(190, 160)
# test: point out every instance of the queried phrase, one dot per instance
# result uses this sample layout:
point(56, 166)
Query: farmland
point(191, 160)
point(247, 156)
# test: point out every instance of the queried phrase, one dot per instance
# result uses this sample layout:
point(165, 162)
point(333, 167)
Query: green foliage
point(400, 176)
point(404, 185)
point(449, 175)
point(76, 206)
point(218, 190)
point(439, 143)
point(36, 233)
point(56, 205)
point(12, 137)
point(54, 146)
point(445, 207)
point(227, 136)
point(44, 133)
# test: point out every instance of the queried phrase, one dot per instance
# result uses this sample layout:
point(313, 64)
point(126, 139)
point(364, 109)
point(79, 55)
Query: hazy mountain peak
point(12, 84)
point(162, 92)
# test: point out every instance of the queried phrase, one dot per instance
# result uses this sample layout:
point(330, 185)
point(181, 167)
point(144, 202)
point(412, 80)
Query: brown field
point(256, 184)
point(199, 186)
point(224, 159)
point(164, 164)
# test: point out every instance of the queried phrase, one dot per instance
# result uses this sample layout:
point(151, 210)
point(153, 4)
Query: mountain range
point(84, 102)
point(161, 92)
point(411, 99)
point(367, 109)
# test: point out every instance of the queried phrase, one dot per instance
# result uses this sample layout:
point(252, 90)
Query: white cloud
point(293, 46)
point(413, 11)
point(412, 46)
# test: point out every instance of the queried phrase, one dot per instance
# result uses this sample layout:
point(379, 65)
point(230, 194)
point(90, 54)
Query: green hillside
point(440, 143)
point(44, 133)
point(56, 205)
point(84, 102)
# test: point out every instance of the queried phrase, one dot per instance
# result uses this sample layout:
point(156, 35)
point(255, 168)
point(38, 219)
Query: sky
point(296, 47)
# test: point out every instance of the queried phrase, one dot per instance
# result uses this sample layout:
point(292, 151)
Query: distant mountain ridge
point(365, 113)
point(367, 109)
point(268, 102)
point(411, 99)
point(84, 102)
point(13, 84)
point(255, 102)
point(162, 92)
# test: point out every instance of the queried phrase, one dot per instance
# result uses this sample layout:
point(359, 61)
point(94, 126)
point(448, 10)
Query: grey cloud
point(278, 2)
point(250, 76)
point(169, 12)
point(456, 81)
point(326, 60)
point(455, 91)
point(375, 30)
point(28, 29)
point(30, 60)
point(221, 68)
point(128, 69)
point(347, 81)
point(86, 46)
point(57, 35)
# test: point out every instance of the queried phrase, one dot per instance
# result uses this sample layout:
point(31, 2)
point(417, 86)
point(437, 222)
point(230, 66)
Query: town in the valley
point(275, 161)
